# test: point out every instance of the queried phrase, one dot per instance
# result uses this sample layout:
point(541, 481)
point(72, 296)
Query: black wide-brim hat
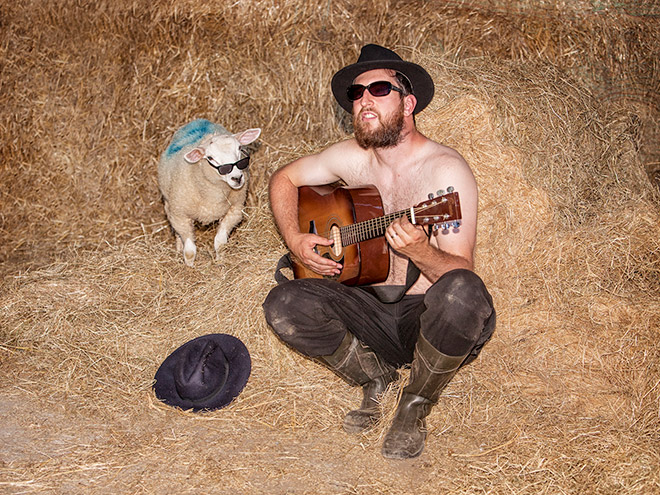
point(377, 57)
point(205, 373)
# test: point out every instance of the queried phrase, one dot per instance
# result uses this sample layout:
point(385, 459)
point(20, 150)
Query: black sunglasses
point(378, 88)
point(241, 164)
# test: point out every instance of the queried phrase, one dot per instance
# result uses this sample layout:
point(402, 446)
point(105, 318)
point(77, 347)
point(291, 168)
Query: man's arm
point(442, 252)
point(283, 189)
point(412, 241)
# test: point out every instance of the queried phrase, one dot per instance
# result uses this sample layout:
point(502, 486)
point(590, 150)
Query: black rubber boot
point(431, 371)
point(359, 365)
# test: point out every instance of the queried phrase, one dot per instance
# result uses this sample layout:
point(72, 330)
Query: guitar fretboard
point(369, 229)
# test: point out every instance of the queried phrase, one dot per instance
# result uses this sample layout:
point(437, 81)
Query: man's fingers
point(321, 264)
point(401, 234)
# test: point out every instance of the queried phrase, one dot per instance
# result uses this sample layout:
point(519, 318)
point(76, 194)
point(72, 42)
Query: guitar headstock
point(442, 210)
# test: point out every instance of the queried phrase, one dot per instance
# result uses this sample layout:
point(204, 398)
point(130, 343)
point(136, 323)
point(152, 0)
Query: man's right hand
point(302, 246)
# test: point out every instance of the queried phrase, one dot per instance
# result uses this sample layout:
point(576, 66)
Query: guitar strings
point(375, 227)
point(367, 229)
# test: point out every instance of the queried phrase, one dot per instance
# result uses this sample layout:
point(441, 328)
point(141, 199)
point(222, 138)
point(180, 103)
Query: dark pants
point(456, 316)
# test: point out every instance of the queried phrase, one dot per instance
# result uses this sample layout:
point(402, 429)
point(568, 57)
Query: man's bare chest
point(396, 192)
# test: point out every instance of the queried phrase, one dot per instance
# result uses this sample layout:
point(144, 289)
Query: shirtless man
point(445, 316)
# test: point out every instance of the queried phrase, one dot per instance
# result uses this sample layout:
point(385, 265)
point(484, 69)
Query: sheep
point(196, 188)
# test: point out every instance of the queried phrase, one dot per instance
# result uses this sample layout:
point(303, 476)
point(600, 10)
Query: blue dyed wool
point(191, 134)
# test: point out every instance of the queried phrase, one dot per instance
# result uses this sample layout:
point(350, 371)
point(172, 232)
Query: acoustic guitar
point(353, 217)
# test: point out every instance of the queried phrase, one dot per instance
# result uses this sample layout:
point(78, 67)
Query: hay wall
point(555, 107)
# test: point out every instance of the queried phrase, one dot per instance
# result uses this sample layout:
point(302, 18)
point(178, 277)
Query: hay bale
point(554, 106)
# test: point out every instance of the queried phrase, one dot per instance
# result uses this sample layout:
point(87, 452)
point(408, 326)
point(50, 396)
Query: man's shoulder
point(443, 152)
point(348, 145)
point(437, 156)
point(344, 156)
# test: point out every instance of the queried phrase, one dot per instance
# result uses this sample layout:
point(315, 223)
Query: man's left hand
point(406, 238)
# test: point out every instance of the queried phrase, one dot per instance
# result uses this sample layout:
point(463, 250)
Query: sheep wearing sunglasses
point(202, 175)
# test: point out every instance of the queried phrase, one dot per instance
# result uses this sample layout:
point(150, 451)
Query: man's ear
point(409, 104)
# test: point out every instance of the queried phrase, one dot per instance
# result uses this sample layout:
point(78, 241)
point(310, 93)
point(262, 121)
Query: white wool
point(194, 191)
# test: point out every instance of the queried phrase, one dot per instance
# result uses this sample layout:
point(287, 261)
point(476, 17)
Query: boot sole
point(401, 446)
point(401, 455)
point(359, 426)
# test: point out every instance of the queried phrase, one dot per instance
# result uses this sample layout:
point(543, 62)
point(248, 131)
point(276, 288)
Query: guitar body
point(323, 211)
point(353, 218)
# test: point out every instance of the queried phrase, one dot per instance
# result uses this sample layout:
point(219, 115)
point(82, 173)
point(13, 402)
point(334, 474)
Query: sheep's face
point(225, 150)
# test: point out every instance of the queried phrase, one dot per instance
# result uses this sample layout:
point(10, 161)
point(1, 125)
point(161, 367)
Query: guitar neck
point(370, 229)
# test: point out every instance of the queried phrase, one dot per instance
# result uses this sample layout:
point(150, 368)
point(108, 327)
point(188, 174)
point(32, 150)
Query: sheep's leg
point(230, 220)
point(189, 252)
point(185, 241)
point(184, 231)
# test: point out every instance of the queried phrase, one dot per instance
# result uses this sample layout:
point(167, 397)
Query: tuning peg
point(440, 192)
point(450, 189)
point(456, 224)
point(431, 196)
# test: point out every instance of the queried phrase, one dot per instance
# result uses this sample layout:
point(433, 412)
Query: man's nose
point(367, 98)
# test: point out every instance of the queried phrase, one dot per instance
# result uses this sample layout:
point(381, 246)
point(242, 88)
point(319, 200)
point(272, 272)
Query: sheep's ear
point(246, 137)
point(195, 155)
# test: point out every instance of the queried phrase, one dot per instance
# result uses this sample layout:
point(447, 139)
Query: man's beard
point(386, 136)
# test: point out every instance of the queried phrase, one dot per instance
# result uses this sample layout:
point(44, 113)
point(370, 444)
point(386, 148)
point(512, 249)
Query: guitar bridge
point(337, 246)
